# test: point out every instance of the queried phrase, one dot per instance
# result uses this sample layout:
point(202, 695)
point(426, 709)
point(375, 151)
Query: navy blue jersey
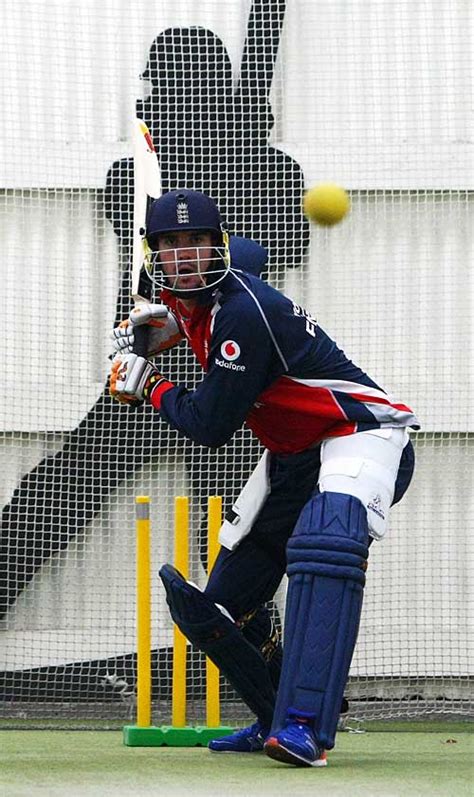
point(268, 364)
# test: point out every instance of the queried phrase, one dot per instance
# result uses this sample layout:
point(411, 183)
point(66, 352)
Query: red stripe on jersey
point(290, 417)
point(196, 325)
point(375, 400)
point(158, 391)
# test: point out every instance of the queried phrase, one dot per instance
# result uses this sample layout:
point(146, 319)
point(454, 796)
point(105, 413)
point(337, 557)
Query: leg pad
point(210, 630)
point(327, 554)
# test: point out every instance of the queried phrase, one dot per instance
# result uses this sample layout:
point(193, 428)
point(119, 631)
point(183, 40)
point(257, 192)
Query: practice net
point(249, 102)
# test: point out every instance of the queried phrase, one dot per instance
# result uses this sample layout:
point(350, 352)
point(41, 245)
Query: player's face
point(185, 257)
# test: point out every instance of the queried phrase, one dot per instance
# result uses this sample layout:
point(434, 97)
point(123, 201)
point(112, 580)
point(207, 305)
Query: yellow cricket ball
point(326, 204)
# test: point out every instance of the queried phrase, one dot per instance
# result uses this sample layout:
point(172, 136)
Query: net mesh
point(249, 102)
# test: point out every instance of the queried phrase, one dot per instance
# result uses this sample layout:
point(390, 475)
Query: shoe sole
point(275, 750)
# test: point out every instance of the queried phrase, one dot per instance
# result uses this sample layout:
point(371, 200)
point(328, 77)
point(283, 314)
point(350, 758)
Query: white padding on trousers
point(247, 506)
point(365, 465)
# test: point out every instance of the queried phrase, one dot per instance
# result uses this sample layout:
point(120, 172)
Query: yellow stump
point(213, 708)
point(142, 522)
point(143, 734)
point(181, 560)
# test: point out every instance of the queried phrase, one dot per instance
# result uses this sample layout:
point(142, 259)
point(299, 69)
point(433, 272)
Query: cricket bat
point(147, 183)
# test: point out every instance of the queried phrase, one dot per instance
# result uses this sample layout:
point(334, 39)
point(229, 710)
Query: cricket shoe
point(248, 740)
point(296, 743)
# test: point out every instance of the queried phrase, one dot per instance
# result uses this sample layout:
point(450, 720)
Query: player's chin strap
point(226, 246)
point(326, 554)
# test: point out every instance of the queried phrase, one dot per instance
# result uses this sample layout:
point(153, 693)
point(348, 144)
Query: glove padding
point(131, 378)
point(163, 334)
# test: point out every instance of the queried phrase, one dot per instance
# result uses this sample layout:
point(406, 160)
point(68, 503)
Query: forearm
point(190, 413)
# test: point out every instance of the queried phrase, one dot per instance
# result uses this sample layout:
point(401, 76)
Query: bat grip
point(140, 345)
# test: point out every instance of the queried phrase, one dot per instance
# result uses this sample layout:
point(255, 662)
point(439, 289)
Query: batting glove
point(163, 328)
point(132, 378)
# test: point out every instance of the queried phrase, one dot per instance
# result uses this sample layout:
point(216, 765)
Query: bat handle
point(140, 345)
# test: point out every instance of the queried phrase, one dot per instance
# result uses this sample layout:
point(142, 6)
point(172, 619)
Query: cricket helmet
point(184, 209)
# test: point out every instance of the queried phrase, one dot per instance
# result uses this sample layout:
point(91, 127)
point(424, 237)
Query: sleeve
point(242, 362)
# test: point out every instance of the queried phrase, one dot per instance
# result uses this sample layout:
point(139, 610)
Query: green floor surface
point(86, 763)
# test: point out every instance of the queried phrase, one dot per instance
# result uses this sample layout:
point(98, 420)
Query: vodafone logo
point(230, 350)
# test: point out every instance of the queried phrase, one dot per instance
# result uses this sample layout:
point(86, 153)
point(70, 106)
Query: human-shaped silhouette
point(209, 137)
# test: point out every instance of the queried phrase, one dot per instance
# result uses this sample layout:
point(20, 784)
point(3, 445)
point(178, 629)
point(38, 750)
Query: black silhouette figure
point(212, 138)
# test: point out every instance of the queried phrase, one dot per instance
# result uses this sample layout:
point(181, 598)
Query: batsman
point(337, 456)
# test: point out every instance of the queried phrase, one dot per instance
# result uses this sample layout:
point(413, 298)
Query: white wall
point(373, 95)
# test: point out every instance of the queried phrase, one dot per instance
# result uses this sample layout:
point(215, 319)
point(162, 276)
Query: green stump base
point(167, 736)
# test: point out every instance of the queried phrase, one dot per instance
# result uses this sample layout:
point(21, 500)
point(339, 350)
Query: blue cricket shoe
point(248, 740)
point(296, 743)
